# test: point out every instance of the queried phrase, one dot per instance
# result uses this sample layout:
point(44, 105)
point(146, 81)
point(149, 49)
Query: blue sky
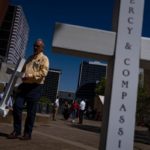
point(43, 14)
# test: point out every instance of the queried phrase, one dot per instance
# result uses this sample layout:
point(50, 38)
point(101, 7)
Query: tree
point(44, 105)
point(143, 107)
point(100, 87)
point(44, 100)
point(143, 102)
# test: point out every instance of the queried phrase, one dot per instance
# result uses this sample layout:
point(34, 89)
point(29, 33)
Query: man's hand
point(27, 77)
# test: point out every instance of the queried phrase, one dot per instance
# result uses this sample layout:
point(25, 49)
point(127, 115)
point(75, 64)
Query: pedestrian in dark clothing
point(74, 110)
point(81, 111)
point(66, 110)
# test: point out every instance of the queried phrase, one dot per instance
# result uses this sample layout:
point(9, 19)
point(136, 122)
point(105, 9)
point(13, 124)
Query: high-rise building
point(90, 74)
point(51, 83)
point(14, 32)
point(50, 90)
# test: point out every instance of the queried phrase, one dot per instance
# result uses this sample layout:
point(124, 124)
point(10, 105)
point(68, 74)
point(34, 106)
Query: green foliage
point(143, 101)
point(143, 105)
point(100, 87)
point(45, 100)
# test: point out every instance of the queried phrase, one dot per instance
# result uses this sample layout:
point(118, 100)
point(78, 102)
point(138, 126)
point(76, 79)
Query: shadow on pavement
point(90, 128)
point(3, 134)
point(142, 137)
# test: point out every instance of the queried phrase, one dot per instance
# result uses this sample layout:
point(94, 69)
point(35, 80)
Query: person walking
point(81, 111)
point(29, 91)
point(55, 108)
point(66, 110)
point(74, 110)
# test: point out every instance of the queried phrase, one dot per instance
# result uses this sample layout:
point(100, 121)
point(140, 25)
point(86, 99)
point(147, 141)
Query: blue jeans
point(31, 103)
point(17, 115)
point(74, 114)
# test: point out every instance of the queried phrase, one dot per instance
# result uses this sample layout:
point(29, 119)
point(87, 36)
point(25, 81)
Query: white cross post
point(10, 86)
point(122, 51)
point(120, 132)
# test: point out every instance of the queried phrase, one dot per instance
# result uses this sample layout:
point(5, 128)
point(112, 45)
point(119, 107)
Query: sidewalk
point(58, 135)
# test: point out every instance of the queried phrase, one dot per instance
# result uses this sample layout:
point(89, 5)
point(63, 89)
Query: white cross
point(122, 49)
point(10, 86)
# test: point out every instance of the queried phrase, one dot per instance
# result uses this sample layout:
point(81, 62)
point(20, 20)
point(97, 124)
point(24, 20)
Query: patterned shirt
point(36, 68)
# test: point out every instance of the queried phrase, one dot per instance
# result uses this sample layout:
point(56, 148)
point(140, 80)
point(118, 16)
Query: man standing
point(81, 111)
point(74, 110)
point(29, 91)
point(55, 108)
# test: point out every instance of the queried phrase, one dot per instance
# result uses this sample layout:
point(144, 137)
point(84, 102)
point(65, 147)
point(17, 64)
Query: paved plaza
point(64, 135)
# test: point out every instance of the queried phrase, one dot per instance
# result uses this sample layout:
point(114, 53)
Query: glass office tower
point(90, 74)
